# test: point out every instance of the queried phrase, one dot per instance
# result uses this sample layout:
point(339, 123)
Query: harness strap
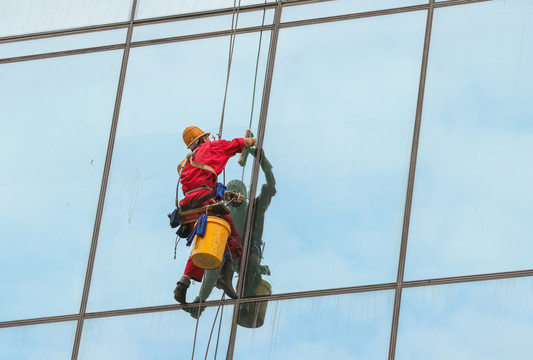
point(203, 187)
point(181, 165)
point(196, 164)
point(202, 166)
point(197, 202)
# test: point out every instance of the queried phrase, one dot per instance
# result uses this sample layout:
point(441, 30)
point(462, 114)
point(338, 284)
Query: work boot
point(224, 281)
point(180, 292)
point(193, 311)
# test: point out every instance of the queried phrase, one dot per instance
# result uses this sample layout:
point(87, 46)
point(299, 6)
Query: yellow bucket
point(254, 316)
point(207, 251)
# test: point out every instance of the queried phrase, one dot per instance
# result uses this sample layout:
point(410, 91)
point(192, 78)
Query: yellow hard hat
point(191, 134)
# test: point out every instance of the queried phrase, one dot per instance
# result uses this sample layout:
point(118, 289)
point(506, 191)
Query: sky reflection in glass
point(483, 320)
point(353, 326)
point(55, 118)
point(473, 196)
point(201, 25)
point(62, 43)
point(341, 7)
point(338, 136)
point(30, 16)
point(184, 85)
point(150, 8)
point(36, 342)
point(163, 335)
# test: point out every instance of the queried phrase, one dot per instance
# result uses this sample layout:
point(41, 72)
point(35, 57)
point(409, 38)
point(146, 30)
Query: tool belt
point(192, 215)
point(197, 202)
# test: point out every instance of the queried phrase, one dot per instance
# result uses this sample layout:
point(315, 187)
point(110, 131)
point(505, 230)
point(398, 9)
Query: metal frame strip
point(103, 188)
point(410, 185)
point(136, 22)
point(136, 44)
point(276, 297)
point(62, 53)
point(255, 173)
point(202, 35)
point(210, 13)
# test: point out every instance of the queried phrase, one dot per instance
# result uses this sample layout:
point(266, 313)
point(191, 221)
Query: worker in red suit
point(198, 178)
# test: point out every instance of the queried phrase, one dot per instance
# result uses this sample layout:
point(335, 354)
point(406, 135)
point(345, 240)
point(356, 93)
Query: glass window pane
point(354, 326)
point(184, 86)
point(486, 320)
point(36, 342)
point(162, 335)
point(338, 137)
point(341, 7)
point(473, 196)
point(101, 38)
point(149, 8)
point(195, 26)
point(30, 16)
point(55, 119)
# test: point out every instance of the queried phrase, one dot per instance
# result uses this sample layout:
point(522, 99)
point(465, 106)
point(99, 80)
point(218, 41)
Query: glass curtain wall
point(56, 116)
point(388, 203)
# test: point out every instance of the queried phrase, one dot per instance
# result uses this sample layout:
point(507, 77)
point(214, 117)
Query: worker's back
point(214, 154)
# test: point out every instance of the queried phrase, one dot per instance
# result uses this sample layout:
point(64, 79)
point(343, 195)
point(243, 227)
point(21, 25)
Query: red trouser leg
point(234, 239)
point(194, 272)
point(235, 247)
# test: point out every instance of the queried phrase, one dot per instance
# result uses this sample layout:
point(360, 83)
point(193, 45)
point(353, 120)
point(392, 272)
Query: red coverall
point(215, 154)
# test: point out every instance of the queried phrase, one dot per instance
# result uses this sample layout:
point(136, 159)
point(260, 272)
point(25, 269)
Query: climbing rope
point(255, 78)
point(257, 67)
point(216, 315)
point(197, 319)
point(234, 22)
point(219, 327)
point(213, 327)
point(214, 322)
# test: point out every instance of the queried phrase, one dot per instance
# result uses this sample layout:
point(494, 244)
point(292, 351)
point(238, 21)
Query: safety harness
point(198, 165)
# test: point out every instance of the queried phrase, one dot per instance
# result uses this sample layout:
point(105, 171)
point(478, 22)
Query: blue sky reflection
point(473, 196)
point(55, 127)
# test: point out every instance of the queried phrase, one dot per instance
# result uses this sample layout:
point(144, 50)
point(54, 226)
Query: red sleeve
point(232, 147)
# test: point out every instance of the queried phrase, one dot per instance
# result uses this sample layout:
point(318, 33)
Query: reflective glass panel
point(338, 138)
point(354, 326)
point(473, 195)
point(486, 320)
point(21, 48)
point(341, 7)
point(55, 118)
point(30, 16)
point(150, 8)
point(194, 26)
point(36, 342)
point(162, 335)
point(168, 87)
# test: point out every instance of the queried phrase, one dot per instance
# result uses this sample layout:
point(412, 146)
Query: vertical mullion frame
point(255, 174)
point(410, 185)
point(103, 187)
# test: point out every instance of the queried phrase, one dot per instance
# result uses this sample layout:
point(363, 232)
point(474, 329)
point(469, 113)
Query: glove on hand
point(251, 142)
